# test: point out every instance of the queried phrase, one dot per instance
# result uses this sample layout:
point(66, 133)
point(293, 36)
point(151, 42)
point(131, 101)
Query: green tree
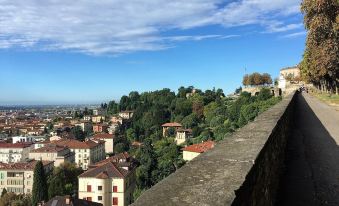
point(40, 189)
point(4, 191)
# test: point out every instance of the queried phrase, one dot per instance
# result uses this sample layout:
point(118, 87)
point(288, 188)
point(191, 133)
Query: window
point(115, 201)
point(99, 188)
point(89, 188)
point(115, 188)
point(89, 198)
point(99, 198)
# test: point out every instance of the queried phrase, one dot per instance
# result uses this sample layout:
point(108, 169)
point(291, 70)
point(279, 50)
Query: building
point(290, 73)
point(112, 128)
point(18, 177)
point(100, 128)
point(85, 126)
point(41, 144)
point(192, 151)
point(116, 120)
point(98, 119)
point(182, 135)
point(22, 139)
point(109, 141)
point(52, 152)
point(126, 114)
point(18, 152)
point(69, 201)
point(166, 126)
point(110, 182)
point(87, 118)
point(86, 153)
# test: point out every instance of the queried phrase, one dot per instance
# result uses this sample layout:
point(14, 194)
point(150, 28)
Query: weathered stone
point(243, 169)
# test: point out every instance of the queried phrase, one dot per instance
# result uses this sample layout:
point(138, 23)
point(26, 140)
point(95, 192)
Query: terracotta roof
point(200, 148)
point(107, 170)
point(22, 165)
point(75, 144)
point(15, 145)
point(49, 148)
point(172, 124)
point(103, 136)
point(116, 158)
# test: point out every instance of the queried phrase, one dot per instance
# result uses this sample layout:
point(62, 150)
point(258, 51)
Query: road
point(312, 163)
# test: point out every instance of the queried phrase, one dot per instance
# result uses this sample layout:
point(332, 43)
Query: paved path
point(312, 171)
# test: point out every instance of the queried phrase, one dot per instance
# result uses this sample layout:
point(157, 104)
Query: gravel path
point(312, 170)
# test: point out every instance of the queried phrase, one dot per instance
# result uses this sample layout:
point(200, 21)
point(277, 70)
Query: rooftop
point(75, 144)
point(200, 148)
point(103, 136)
point(15, 145)
point(49, 148)
point(172, 124)
point(22, 165)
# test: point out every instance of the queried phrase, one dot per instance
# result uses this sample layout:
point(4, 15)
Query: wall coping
point(211, 178)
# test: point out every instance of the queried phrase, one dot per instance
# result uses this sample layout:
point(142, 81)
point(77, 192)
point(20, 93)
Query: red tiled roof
point(172, 124)
point(103, 136)
point(75, 144)
point(49, 148)
point(22, 165)
point(107, 170)
point(15, 145)
point(200, 148)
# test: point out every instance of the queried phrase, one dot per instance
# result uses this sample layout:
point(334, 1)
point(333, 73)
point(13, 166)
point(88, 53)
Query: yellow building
point(98, 119)
point(18, 177)
point(110, 182)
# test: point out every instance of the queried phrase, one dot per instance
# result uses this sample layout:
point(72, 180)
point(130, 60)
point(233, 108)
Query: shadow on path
point(312, 162)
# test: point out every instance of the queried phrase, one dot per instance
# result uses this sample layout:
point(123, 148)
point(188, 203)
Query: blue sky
point(76, 56)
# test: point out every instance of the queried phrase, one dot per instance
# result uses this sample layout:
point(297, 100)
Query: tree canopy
point(256, 79)
point(320, 62)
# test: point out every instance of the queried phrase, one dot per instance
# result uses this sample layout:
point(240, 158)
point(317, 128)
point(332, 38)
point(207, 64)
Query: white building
point(18, 177)
point(109, 141)
point(86, 153)
point(22, 139)
point(182, 135)
point(85, 126)
point(18, 152)
point(194, 150)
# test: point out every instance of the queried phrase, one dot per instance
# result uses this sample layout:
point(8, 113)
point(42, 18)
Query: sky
point(68, 52)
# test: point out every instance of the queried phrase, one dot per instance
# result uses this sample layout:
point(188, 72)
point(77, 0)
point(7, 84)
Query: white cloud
point(294, 35)
point(120, 26)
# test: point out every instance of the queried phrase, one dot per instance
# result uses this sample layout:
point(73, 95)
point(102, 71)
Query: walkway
point(312, 173)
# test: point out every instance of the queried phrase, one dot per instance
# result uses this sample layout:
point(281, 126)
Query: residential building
point(126, 114)
point(85, 126)
point(18, 177)
point(41, 144)
point(99, 128)
point(116, 119)
point(52, 152)
point(166, 126)
point(98, 119)
point(182, 135)
point(109, 141)
point(69, 201)
point(290, 72)
point(22, 139)
point(87, 118)
point(112, 128)
point(192, 151)
point(86, 153)
point(18, 152)
point(110, 182)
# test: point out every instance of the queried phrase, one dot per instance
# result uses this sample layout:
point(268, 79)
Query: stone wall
point(243, 169)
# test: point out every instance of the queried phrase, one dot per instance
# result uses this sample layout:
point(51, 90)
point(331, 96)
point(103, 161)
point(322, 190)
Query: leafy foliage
point(40, 189)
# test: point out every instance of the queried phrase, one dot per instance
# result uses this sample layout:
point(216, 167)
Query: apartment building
point(18, 152)
point(17, 139)
point(18, 177)
point(57, 154)
point(86, 153)
point(110, 182)
point(109, 141)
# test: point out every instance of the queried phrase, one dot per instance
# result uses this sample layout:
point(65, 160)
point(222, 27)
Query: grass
point(332, 100)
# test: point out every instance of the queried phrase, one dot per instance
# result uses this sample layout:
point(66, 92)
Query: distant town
point(109, 154)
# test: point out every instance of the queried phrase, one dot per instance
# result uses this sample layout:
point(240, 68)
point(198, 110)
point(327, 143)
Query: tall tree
point(320, 64)
point(40, 190)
